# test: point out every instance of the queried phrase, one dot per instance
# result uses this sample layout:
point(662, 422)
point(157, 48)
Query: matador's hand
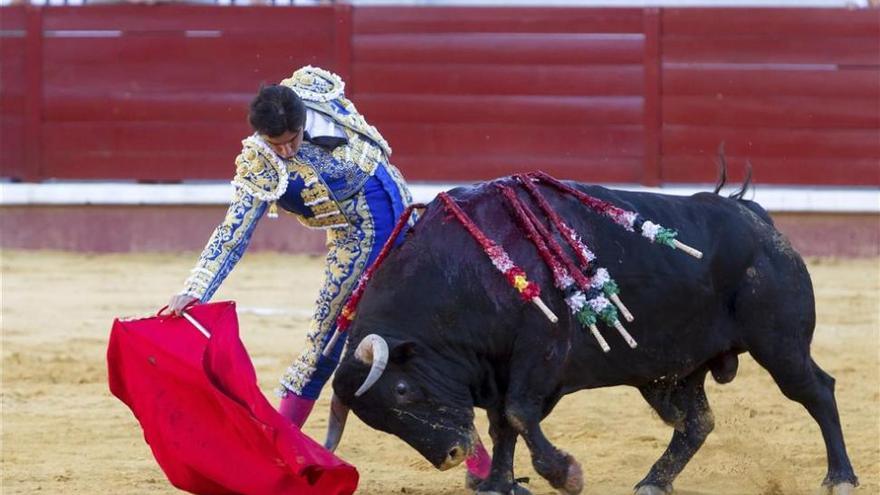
point(180, 301)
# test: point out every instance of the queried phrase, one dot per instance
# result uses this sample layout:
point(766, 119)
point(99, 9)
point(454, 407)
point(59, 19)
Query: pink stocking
point(480, 462)
point(296, 409)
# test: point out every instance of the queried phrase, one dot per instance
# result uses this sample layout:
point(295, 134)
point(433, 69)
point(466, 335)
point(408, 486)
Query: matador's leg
point(345, 262)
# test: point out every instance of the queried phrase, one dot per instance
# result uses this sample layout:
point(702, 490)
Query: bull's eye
point(401, 388)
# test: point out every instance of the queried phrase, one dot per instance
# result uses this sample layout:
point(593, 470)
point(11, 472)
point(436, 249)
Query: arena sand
point(62, 431)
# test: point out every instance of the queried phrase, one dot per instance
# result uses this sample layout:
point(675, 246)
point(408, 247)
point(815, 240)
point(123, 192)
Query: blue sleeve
point(226, 245)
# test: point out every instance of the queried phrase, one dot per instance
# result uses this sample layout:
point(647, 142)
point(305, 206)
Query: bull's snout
point(454, 457)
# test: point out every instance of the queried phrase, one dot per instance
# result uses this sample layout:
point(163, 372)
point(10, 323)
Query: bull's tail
point(722, 169)
point(722, 176)
point(746, 183)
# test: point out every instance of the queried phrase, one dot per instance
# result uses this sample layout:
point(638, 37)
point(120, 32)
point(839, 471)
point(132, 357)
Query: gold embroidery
point(335, 220)
point(226, 244)
point(326, 207)
point(345, 262)
point(315, 84)
point(315, 193)
point(359, 151)
point(323, 92)
point(259, 171)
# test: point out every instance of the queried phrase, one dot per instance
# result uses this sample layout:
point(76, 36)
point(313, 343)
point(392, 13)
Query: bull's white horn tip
point(372, 350)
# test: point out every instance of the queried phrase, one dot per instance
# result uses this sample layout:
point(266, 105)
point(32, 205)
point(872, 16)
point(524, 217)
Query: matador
point(313, 155)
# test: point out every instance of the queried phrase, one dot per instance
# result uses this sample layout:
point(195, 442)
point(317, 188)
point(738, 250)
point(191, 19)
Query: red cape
point(209, 426)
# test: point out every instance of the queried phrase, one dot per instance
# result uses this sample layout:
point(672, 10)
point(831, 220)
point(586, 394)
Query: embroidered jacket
point(315, 185)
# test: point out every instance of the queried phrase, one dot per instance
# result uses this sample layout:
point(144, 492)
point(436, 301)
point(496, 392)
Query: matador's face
point(286, 144)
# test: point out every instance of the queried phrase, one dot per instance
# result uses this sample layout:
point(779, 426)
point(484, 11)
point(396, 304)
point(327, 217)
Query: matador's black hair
point(275, 110)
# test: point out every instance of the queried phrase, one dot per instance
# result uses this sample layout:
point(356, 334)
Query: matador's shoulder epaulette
point(314, 84)
point(324, 91)
point(259, 171)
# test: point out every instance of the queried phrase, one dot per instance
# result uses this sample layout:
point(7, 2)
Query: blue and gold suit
point(350, 189)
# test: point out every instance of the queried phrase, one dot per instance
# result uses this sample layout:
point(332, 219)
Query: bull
point(439, 332)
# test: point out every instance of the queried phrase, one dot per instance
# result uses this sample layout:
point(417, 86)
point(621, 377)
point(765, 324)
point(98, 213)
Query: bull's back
point(685, 308)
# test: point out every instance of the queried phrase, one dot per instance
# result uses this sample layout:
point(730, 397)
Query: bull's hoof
point(574, 479)
point(653, 490)
point(472, 482)
point(842, 489)
point(515, 490)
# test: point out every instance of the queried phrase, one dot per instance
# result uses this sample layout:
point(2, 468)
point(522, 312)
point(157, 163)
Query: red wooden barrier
point(159, 93)
point(473, 93)
point(168, 89)
point(794, 91)
point(652, 115)
point(14, 29)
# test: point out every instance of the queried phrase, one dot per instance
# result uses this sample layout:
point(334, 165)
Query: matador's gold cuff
point(197, 283)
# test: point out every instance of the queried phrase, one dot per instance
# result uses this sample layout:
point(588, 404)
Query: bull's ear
point(402, 352)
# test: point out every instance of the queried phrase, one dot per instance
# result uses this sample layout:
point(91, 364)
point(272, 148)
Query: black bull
point(458, 336)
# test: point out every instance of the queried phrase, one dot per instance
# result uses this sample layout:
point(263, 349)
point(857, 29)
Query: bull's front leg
point(556, 466)
point(500, 480)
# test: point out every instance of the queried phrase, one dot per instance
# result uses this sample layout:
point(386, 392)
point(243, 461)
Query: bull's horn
point(373, 350)
point(336, 424)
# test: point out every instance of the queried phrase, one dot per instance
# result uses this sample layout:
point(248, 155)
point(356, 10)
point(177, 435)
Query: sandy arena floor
point(62, 431)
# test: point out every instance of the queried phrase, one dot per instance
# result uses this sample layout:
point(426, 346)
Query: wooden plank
point(111, 137)
point(33, 96)
point(142, 150)
point(832, 144)
point(489, 166)
point(156, 166)
point(309, 21)
point(821, 22)
point(164, 78)
point(487, 139)
point(12, 157)
point(396, 19)
point(533, 110)
point(88, 106)
point(13, 18)
point(811, 170)
point(159, 63)
point(651, 118)
point(533, 79)
point(479, 48)
point(13, 46)
point(12, 60)
point(795, 90)
point(134, 228)
point(776, 49)
point(773, 111)
point(159, 48)
point(342, 27)
point(13, 86)
point(12, 105)
point(836, 83)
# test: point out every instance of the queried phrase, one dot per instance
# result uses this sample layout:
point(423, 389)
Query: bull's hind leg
point(803, 381)
point(783, 348)
point(684, 406)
